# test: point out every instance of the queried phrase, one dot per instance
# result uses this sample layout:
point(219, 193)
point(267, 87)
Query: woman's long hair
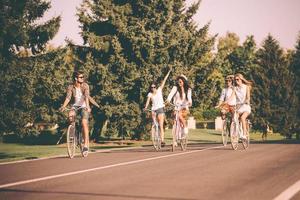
point(245, 81)
point(186, 86)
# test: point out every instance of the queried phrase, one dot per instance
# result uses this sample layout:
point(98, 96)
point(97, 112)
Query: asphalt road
point(204, 171)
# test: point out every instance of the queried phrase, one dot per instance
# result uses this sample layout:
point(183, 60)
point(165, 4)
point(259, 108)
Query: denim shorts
point(84, 114)
point(159, 111)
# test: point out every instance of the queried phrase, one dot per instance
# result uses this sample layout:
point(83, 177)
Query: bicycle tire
point(155, 136)
point(246, 142)
point(225, 133)
point(174, 139)
point(183, 144)
point(234, 136)
point(71, 140)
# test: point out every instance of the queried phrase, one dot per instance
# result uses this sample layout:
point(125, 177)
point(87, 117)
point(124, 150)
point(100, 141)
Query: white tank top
point(79, 98)
point(241, 92)
point(157, 99)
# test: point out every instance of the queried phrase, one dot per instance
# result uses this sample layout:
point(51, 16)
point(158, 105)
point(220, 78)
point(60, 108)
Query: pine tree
point(21, 76)
point(273, 95)
point(19, 27)
point(133, 43)
point(295, 69)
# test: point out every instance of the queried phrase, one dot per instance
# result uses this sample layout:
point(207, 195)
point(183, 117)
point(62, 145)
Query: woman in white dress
point(242, 93)
point(181, 95)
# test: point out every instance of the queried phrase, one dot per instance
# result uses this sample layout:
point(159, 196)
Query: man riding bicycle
point(80, 92)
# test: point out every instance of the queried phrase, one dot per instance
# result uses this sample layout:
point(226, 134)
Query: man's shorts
point(84, 114)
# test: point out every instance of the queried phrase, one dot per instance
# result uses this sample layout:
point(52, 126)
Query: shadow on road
point(90, 194)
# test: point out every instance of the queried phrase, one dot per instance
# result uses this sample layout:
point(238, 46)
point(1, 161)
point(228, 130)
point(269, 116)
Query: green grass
point(13, 152)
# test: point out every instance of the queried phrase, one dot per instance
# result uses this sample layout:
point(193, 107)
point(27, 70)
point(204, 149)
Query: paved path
point(205, 171)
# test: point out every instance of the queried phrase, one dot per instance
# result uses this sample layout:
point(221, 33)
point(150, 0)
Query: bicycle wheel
point(71, 140)
point(174, 137)
point(246, 142)
point(225, 133)
point(234, 135)
point(156, 141)
point(183, 143)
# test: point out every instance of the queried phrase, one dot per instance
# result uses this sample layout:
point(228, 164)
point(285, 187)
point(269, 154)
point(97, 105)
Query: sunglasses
point(80, 76)
point(153, 86)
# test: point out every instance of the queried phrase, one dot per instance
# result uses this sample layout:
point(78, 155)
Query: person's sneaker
point(85, 151)
point(243, 137)
point(175, 144)
point(163, 144)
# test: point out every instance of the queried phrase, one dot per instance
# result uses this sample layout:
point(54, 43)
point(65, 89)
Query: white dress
point(241, 93)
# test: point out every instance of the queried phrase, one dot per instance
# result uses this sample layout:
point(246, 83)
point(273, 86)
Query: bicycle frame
point(76, 137)
point(177, 131)
point(236, 131)
point(155, 132)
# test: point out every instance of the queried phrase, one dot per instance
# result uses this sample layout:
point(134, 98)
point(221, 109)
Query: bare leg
point(244, 123)
point(85, 127)
point(161, 119)
point(182, 120)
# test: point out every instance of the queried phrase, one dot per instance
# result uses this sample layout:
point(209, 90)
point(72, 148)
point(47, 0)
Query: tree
point(295, 70)
point(19, 28)
point(22, 77)
point(273, 91)
point(132, 43)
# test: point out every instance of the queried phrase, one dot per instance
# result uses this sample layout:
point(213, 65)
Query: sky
point(280, 18)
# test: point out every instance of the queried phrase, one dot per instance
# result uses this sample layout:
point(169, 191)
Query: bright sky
point(281, 18)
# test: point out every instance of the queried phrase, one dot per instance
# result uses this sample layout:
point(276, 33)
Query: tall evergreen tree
point(21, 76)
point(133, 43)
point(19, 27)
point(295, 69)
point(273, 91)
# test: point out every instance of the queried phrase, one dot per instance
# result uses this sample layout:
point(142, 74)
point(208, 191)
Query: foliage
point(273, 93)
point(19, 28)
point(132, 43)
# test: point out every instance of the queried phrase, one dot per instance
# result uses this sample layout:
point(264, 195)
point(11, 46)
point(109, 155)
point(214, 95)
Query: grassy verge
point(13, 152)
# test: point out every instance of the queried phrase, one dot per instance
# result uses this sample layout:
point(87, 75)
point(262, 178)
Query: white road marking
point(101, 168)
point(289, 192)
point(66, 156)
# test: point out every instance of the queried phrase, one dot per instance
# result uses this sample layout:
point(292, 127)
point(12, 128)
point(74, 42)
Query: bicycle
point(177, 130)
point(74, 135)
point(155, 133)
point(226, 121)
point(236, 132)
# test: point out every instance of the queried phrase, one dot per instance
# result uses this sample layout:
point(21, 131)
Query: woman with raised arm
point(242, 93)
point(182, 96)
point(156, 97)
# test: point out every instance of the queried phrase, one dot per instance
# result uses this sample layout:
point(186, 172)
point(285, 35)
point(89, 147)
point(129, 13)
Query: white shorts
point(244, 108)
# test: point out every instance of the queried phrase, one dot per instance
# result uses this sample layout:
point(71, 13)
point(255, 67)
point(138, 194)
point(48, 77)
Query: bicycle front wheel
point(246, 142)
point(156, 141)
point(183, 143)
point(71, 140)
point(234, 135)
point(225, 133)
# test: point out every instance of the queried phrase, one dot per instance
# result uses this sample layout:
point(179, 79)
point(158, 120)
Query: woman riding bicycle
point(156, 97)
point(182, 96)
point(242, 93)
point(227, 100)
